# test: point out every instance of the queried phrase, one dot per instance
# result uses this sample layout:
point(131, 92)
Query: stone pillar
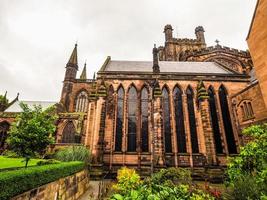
point(203, 105)
point(210, 152)
point(158, 134)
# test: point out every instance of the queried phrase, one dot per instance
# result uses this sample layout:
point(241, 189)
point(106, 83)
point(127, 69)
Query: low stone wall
point(69, 188)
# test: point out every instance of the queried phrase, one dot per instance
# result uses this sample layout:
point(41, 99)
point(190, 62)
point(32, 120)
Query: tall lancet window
point(144, 120)
point(227, 121)
point(119, 121)
point(192, 119)
point(81, 103)
point(166, 120)
point(179, 119)
point(68, 135)
point(214, 120)
point(132, 114)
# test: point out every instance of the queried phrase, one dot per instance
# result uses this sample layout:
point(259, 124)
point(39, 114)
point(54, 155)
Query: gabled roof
point(165, 67)
point(15, 108)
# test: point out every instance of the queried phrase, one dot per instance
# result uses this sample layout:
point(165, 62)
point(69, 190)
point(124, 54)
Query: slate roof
point(166, 66)
point(16, 108)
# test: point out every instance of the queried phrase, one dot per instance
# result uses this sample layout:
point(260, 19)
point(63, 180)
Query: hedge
point(16, 182)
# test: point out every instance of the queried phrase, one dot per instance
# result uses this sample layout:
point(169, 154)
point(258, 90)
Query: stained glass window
point(166, 121)
point(215, 121)
point(227, 121)
point(144, 119)
point(119, 124)
point(179, 119)
point(192, 119)
point(132, 111)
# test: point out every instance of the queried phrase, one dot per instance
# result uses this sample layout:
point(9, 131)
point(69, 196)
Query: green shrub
point(47, 162)
point(73, 153)
point(247, 172)
point(10, 154)
point(15, 182)
point(172, 183)
point(172, 176)
point(244, 187)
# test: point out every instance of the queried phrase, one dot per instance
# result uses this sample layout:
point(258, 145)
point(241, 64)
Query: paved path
point(92, 192)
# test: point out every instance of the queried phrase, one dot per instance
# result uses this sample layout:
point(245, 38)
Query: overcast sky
point(37, 36)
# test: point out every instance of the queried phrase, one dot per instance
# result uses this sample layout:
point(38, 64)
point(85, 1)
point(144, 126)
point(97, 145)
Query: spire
point(155, 60)
point(94, 76)
point(72, 65)
point(83, 74)
point(74, 56)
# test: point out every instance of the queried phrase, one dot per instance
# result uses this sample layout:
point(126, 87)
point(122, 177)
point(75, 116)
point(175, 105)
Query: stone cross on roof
point(217, 41)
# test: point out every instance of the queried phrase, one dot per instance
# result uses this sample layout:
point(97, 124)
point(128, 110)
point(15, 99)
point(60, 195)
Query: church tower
point(70, 76)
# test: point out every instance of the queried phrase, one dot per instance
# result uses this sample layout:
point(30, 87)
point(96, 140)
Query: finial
point(94, 76)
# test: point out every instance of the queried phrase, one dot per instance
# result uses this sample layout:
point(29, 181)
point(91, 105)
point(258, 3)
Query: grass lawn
point(15, 162)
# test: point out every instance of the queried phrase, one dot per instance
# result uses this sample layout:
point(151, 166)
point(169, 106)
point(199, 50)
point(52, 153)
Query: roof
point(166, 66)
point(73, 58)
point(16, 108)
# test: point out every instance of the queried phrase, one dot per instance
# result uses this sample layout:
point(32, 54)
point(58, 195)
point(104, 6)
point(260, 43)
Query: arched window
point(246, 110)
point(214, 120)
point(119, 121)
point(144, 119)
point(166, 120)
point(4, 126)
point(251, 113)
point(179, 118)
point(132, 115)
point(81, 103)
point(68, 135)
point(227, 121)
point(192, 119)
point(243, 112)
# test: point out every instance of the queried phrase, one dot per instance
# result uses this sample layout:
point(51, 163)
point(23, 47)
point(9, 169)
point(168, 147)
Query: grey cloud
point(37, 37)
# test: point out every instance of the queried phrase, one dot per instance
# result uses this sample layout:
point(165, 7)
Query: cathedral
point(186, 107)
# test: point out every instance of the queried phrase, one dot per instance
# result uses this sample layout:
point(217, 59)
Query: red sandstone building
point(186, 107)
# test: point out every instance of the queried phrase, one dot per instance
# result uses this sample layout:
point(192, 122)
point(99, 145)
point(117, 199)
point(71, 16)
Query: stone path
point(92, 192)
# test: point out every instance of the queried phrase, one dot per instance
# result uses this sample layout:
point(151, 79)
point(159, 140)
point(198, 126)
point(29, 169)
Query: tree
point(32, 131)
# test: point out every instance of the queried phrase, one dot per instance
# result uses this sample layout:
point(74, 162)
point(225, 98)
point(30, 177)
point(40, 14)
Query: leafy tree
point(32, 131)
point(247, 173)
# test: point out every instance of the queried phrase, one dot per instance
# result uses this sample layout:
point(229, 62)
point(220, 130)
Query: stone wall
point(257, 40)
point(69, 188)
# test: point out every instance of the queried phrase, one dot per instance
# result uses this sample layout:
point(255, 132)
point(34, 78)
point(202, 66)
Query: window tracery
point(119, 120)
point(132, 118)
point(81, 103)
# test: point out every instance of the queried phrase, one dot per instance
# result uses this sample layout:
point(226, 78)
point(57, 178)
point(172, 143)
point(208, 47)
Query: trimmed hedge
point(15, 182)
